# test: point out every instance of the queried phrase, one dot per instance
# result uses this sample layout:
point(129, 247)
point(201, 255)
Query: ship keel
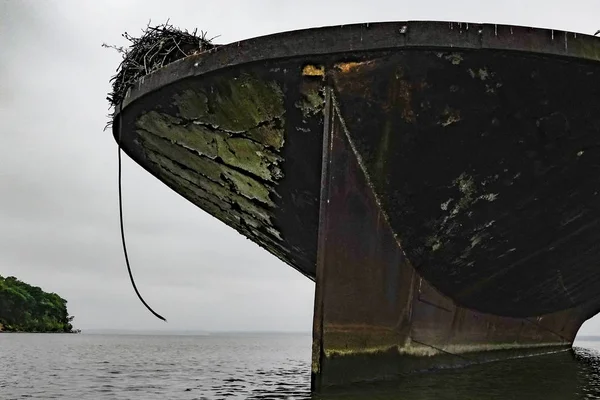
point(375, 317)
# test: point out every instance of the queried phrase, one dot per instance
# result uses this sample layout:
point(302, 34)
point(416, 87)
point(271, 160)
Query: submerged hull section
point(435, 179)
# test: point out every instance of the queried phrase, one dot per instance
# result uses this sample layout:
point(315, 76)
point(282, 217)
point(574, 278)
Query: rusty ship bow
point(438, 181)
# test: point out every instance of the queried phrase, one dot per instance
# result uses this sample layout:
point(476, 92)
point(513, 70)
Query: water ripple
point(257, 367)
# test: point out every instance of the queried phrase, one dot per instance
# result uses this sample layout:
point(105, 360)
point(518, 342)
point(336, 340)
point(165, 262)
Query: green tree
point(28, 308)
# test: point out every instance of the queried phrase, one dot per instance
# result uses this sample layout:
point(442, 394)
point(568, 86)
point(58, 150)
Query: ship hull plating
point(376, 317)
point(437, 181)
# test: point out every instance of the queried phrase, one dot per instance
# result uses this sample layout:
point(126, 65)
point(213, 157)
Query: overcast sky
point(59, 226)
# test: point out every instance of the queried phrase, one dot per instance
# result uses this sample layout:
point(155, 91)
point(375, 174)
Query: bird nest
point(156, 47)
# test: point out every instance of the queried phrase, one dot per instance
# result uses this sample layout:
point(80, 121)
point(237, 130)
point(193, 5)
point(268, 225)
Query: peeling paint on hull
point(220, 147)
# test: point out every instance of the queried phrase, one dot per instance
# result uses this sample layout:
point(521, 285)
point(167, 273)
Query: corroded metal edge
point(317, 333)
point(373, 36)
point(420, 350)
point(357, 369)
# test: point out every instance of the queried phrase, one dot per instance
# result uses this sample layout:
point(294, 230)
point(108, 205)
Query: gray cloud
point(58, 208)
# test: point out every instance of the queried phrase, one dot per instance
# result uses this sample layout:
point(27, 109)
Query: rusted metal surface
point(377, 318)
point(435, 179)
point(482, 163)
point(310, 44)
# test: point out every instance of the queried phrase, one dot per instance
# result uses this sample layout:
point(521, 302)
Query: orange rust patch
point(313, 70)
point(349, 66)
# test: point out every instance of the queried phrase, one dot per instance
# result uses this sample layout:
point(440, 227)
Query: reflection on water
point(258, 367)
point(562, 376)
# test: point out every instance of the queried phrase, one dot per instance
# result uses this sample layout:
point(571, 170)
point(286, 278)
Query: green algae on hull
point(236, 104)
point(219, 145)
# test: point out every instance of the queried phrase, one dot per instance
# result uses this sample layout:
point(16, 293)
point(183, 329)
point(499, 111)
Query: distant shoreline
point(187, 333)
point(55, 333)
point(589, 338)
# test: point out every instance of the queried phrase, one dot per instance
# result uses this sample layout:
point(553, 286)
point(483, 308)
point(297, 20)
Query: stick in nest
point(156, 47)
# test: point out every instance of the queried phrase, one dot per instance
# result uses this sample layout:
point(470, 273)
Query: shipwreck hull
point(438, 181)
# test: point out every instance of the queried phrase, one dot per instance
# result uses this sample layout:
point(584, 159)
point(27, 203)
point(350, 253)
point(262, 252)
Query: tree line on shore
point(27, 308)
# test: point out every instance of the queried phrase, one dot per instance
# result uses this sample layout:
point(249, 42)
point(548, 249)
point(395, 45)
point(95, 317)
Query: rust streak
point(346, 67)
point(313, 70)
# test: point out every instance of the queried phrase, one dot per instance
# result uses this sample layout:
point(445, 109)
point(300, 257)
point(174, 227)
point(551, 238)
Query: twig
point(150, 52)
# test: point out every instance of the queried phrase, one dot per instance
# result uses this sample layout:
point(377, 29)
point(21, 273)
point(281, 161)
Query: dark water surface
point(261, 366)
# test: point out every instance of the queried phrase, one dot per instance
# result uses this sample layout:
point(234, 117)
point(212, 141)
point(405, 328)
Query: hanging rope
point(120, 127)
